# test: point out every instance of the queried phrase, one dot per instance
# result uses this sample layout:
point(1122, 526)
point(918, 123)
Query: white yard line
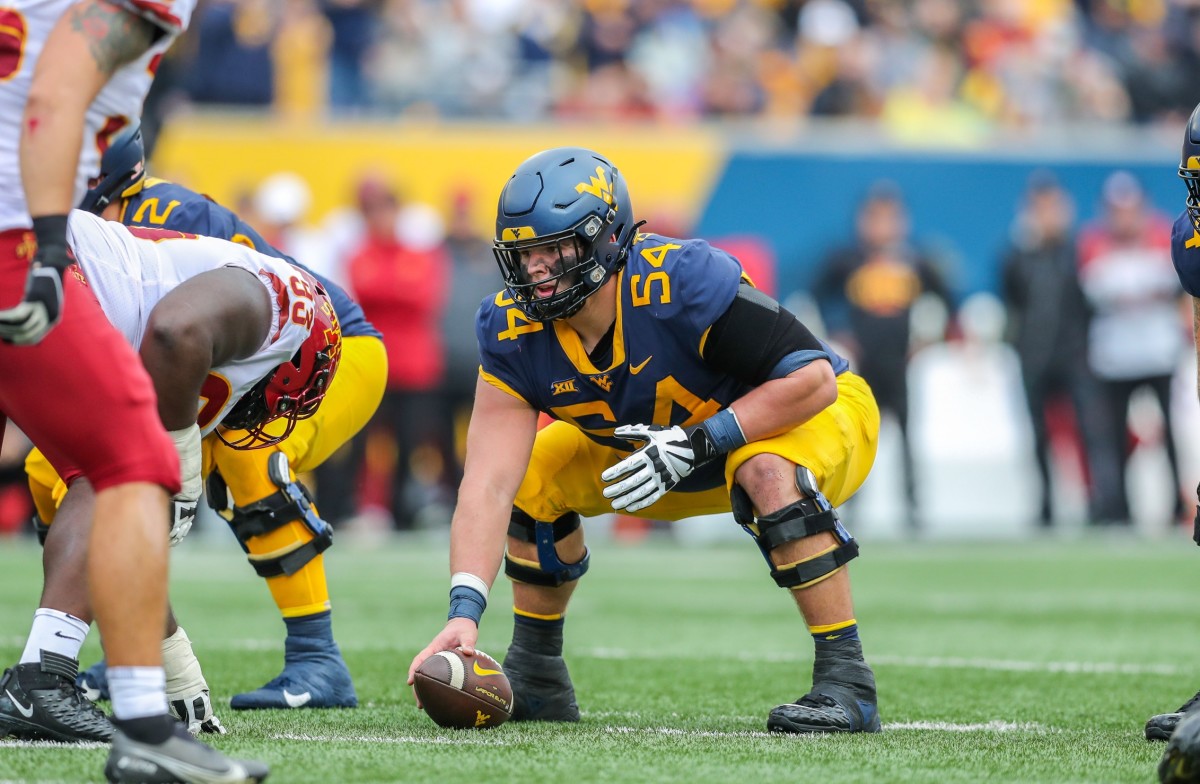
point(490, 739)
point(987, 726)
point(459, 739)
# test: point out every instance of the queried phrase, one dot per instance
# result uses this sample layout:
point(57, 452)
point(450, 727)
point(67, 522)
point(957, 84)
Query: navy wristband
point(719, 434)
point(466, 602)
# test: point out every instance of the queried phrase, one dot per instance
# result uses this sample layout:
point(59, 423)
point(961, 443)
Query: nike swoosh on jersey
point(484, 671)
point(296, 700)
point(635, 369)
point(24, 711)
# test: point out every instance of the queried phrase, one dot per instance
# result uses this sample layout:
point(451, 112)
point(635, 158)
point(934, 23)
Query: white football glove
point(652, 471)
point(184, 503)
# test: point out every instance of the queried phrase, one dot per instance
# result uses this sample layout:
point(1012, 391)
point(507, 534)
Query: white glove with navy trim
point(652, 471)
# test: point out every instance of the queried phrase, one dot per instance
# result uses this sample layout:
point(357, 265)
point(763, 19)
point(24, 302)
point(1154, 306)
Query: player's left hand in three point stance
point(652, 471)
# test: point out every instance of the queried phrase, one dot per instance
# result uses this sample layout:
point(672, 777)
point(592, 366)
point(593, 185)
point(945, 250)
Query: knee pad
point(291, 503)
point(550, 570)
point(811, 515)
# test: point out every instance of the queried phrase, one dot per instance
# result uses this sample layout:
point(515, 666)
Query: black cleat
point(1161, 726)
point(542, 689)
point(180, 758)
point(1180, 763)
point(42, 702)
point(827, 708)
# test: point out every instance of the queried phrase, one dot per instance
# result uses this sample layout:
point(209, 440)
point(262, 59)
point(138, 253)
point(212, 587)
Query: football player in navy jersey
point(677, 389)
point(271, 513)
point(1181, 761)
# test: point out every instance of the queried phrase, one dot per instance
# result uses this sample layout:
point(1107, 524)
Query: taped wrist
point(719, 434)
point(466, 602)
point(187, 444)
point(51, 234)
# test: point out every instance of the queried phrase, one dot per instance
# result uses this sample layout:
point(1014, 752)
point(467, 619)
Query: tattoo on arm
point(115, 36)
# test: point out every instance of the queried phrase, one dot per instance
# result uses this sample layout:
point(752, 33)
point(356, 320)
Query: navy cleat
point(1180, 763)
point(827, 708)
point(93, 682)
point(1162, 726)
point(842, 698)
point(314, 676)
point(39, 701)
point(542, 689)
point(179, 758)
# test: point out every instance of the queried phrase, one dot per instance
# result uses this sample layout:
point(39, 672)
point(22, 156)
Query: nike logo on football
point(296, 700)
point(482, 671)
point(24, 711)
point(635, 369)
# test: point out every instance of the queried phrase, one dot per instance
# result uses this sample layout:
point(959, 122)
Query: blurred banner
point(794, 188)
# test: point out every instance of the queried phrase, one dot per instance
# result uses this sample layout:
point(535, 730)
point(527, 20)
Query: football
point(464, 692)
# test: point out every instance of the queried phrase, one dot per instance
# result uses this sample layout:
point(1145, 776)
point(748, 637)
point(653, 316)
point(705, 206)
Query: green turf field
point(1007, 662)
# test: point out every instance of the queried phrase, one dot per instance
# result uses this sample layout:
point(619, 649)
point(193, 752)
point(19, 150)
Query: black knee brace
point(811, 515)
point(551, 571)
point(292, 502)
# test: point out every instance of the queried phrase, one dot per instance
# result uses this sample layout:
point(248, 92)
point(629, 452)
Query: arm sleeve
point(757, 340)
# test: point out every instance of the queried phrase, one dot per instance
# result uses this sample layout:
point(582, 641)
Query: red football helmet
point(295, 390)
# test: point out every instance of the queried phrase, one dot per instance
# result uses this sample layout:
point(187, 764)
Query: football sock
point(845, 630)
point(318, 626)
point(147, 729)
point(538, 633)
point(54, 631)
point(137, 692)
point(841, 661)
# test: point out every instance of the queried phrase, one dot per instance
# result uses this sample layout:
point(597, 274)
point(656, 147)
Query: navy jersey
point(165, 205)
point(1185, 253)
point(669, 294)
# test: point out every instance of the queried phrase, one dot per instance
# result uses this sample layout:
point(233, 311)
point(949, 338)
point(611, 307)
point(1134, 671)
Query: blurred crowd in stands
point(954, 66)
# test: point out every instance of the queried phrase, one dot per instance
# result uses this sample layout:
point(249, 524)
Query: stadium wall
point(795, 188)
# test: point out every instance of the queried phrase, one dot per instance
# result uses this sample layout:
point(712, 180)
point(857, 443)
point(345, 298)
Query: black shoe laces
point(77, 710)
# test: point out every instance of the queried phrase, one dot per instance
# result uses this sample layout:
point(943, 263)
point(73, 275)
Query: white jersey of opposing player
point(129, 274)
point(24, 27)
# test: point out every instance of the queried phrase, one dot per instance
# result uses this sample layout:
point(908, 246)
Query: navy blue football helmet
point(1189, 166)
point(122, 171)
point(562, 197)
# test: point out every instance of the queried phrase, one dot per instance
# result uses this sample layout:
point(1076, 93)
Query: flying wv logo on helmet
point(598, 186)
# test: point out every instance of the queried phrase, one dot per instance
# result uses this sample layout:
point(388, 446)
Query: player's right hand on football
point(31, 319)
point(458, 633)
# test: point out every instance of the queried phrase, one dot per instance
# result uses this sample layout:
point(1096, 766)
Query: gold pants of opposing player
point(351, 401)
point(838, 445)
